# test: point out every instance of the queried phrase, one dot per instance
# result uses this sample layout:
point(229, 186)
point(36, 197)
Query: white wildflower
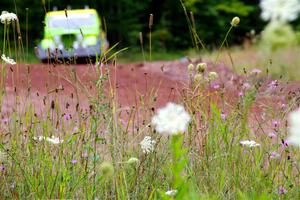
point(39, 138)
point(249, 143)
point(171, 193)
point(282, 10)
point(294, 129)
point(53, 140)
point(171, 120)
point(147, 144)
point(8, 60)
point(7, 17)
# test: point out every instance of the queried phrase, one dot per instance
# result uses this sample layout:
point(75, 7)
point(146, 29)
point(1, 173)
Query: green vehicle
point(72, 34)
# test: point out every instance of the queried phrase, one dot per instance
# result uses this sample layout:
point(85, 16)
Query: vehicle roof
point(79, 11)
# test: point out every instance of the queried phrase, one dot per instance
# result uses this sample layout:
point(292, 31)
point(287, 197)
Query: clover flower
point(294, 129)
point(249, 143)
point(171, 120)
point(7, 18)
point(147, 144)
point(282, 10)
point(8, 60)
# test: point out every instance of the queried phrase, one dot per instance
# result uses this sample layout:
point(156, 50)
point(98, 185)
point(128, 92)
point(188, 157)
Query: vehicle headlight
point(90, 41)
point(47, 43)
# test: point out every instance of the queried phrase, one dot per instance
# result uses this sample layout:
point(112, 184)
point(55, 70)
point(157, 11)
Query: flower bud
point(212, 76)
point(190, 68)
point(235, 21)
point(201, 67)
point(107, 169)
point(133, 160)
point(198, 78)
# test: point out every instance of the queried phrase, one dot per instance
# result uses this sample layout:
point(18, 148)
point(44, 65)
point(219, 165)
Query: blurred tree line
point(125, 19)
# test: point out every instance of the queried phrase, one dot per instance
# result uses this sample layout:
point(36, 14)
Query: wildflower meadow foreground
point(188, 129)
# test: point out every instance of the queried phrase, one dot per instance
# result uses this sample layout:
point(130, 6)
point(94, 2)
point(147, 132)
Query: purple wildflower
point(74, 161)
point(223, 116)
point(67, 117)
point(282, 190)
point(5, 120)
point(274, 84)
point(241, 94)
point(256, 71)
point(275, 123)
point(246, 86)
point(215, 86)
point(272, 135)
point(2, 168)
point(284, 143)
point(274, 155)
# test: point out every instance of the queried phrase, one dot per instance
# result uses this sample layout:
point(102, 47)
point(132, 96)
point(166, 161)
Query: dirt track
point(35, 82)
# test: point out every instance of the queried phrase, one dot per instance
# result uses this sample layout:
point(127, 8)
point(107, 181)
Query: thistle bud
point(190, 68)
point(212, 76)
point(235, 21)
point(107, 169)
point(201, 67)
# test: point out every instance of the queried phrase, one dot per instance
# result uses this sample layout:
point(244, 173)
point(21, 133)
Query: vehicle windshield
point(73, 21)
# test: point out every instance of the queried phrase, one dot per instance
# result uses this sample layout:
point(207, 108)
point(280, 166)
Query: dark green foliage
point(124, 19)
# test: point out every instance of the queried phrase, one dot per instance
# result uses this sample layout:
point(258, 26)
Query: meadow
point(230, 131)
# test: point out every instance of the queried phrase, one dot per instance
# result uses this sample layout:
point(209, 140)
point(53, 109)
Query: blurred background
point(125, 19)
